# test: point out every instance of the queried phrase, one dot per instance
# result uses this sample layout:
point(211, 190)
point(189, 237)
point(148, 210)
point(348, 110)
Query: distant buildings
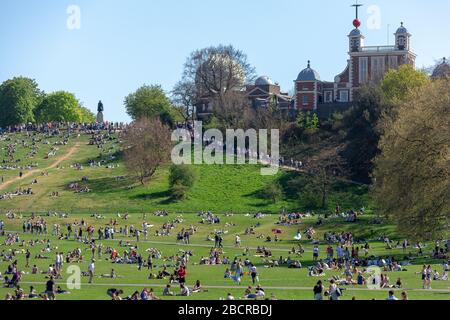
point(442, 70)
point(366, 65)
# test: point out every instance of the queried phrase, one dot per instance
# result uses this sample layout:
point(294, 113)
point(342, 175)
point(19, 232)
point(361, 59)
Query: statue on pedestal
point(100, 110)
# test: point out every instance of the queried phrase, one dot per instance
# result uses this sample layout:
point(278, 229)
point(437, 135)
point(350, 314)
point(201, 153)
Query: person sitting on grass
point(111, 275)
point(361, 280)
point(152, 295)
point(197, 287)
point(184, 290)
point(392, 296)
point(59, 290)
point(34, 270)
point(167, 292)
point(33, 293)
point(114, 293)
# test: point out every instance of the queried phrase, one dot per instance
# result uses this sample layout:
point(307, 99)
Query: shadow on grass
point(164, 197)
point(107, 185)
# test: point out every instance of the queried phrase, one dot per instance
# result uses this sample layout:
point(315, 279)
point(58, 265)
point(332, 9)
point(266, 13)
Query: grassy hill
point(220, 188)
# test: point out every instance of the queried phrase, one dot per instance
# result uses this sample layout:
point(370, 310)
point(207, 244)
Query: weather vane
point(357, 22)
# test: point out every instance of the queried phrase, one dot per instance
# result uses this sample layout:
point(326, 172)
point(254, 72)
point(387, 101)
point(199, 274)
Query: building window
point(305, 100)
point(343, 96)
point(363, 69)
point(378, 68)
point(328, 96)
point(393, 62)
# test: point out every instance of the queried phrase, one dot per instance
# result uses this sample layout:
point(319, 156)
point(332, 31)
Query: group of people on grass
point(343, 256)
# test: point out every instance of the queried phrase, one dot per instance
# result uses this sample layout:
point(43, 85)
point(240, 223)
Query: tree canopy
point(398, 83)
point(18, 98)
point(413, 170)
point(362, 134)
point(60, 106)
point(149, 102)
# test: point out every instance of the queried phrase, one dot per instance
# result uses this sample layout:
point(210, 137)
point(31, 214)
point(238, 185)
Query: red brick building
point(366, 64)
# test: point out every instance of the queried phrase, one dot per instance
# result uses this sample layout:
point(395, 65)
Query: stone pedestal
point(100, 117)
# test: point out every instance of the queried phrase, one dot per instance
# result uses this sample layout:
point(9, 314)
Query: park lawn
point(283, 282)
point(221, 189)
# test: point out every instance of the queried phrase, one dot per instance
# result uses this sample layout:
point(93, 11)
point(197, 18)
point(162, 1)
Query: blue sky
point(123, 44)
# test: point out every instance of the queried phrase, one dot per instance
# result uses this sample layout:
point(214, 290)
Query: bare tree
point(184, 95)
point(146, 144)
point(232, 111)
point(215, 71)
point(218, 69)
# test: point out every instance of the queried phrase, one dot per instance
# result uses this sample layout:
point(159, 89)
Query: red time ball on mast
point(356, 23)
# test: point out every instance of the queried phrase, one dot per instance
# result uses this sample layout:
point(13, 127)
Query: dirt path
point(34, 171)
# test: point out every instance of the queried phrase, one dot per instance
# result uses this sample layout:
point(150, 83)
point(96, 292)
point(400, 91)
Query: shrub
point(181, 179)
point(178, 192)
point(183, 175)
point(273, 191)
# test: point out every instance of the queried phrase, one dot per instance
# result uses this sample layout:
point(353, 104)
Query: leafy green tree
point(362, 133)
point(179, 192)
point(312, 190)
point(18, 98)
point(181, 179)
point(150, 102)
point(59, 106)
point(87, 116)
point(413, 171)
point(182, 174)
point(307, 122)
point(398, 83)
point(273, 191)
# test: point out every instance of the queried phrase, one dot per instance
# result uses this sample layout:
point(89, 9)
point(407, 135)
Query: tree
point(413, 171)
point(218, 70)
point(231, 110)
point(147, 145)
point(184, 95)
point(220, 74)
point(87, 116)
point(363, 134)
point(59, 106)
point(18, 98)
point(150, 102)
point(181, 179)
point(273, 192)
point(398, 83)
point(308, 122)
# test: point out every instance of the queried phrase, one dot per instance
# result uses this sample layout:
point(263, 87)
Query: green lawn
point(221, 189)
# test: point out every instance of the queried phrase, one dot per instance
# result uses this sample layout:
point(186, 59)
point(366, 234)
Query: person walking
point(254, 274)
point(91, 270)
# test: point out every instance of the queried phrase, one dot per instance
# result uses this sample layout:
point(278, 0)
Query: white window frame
point(328, 93)
point(363, 69)
point(347, 95)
